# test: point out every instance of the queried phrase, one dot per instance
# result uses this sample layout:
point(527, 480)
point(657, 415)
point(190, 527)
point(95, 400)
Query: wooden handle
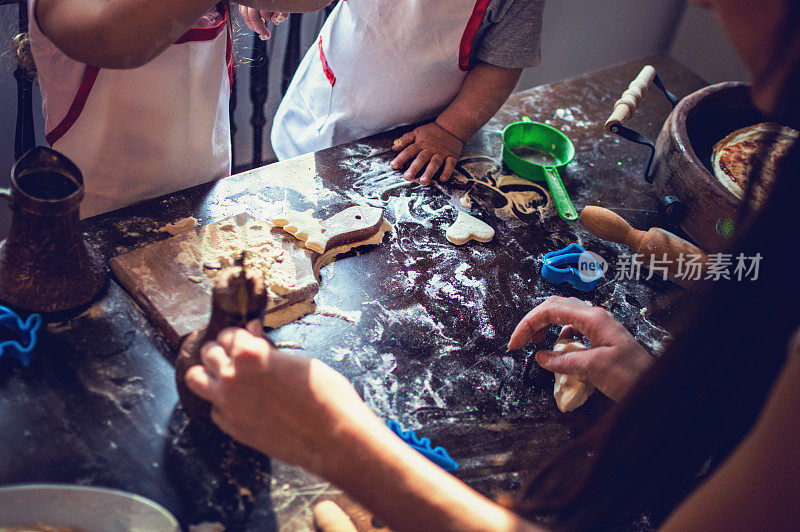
point(610, 226)
point(656, 246)
point(668, 251)
point(626, 105)
point(353, 224)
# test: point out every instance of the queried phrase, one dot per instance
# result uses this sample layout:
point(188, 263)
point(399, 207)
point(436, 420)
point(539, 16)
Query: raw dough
point(181, 226)
point(467, 228)
point(570, 391)
point(289, 344)
point(305, 228)
point(331, 254)
point(328, 517)
point(219, 245)
point(288, 314)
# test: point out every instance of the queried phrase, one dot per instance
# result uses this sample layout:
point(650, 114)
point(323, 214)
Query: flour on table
point(297, 311)
point(467, 228)
point(570, 391)
point(305, 228)
point(352, 316)
point(218, 246)
point(181, 226)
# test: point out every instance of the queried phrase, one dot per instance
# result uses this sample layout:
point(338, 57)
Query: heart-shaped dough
point(467, 228)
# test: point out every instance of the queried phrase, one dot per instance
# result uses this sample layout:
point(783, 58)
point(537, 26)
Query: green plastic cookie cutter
point(535, 151)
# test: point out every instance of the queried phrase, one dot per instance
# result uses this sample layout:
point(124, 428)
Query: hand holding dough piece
point(467, 228)
point(305, 228)
point(570, 391)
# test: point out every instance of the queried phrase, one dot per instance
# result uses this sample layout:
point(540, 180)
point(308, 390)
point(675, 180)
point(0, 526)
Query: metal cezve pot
point(45, 264)
point(679, 165)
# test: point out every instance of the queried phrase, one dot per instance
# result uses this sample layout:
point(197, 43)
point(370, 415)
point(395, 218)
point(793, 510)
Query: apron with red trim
point(376, 65)
point(140, 133)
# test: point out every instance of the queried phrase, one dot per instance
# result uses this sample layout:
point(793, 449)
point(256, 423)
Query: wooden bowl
point(682, 172)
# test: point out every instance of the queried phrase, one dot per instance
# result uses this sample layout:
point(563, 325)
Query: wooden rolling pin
point(656, 243)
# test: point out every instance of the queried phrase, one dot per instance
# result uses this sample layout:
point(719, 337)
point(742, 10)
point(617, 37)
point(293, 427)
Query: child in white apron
point(380, 64)
point(136, 92)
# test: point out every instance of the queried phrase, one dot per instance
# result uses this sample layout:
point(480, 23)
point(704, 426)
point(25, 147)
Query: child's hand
point(256, 20)
point(429, 145)
point(284, 405)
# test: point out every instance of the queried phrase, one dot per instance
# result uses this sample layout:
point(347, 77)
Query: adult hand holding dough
point(615, 360)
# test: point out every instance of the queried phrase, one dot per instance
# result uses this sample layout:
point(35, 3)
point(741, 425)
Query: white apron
point(377, 65)
point(140, 133)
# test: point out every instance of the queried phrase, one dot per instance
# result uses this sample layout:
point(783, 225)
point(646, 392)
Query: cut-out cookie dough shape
point(305, 228)
point(570, 391)
point(467, 228)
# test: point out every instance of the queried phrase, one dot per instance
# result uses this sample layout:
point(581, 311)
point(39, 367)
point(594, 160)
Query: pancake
point(736, 155)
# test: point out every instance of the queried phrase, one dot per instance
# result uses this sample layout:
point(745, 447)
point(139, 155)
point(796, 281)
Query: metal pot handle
point(5, 193)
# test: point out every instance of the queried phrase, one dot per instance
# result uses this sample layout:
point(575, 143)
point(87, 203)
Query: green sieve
point(535, 151)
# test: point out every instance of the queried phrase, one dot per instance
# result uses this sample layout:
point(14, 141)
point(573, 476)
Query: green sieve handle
point(563, 204)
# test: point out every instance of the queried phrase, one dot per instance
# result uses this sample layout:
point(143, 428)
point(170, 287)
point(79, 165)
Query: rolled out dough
point(570, 391)
point(218, 246)
point(467, 228)
point(292, 313)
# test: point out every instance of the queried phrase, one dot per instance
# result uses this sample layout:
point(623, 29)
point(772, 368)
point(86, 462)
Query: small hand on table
point(256, 20)
point(430, 147)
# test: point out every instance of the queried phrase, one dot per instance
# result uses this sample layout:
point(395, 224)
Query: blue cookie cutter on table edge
point(571, 254)
point(26, 331)
point(423, 445)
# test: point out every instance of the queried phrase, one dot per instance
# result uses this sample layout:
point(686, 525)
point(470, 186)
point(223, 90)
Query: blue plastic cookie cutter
point(438, 455)
point(553, 271)
point(25, 331)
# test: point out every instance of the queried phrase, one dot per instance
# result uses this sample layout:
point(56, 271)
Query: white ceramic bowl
point(85, 508)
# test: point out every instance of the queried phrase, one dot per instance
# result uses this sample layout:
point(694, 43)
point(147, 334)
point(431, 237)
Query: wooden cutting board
point(170, 279)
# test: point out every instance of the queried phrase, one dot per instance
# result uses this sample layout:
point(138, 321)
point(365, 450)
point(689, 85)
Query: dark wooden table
point(98, 405)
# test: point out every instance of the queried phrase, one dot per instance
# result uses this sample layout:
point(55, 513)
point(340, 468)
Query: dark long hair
point(700, 399)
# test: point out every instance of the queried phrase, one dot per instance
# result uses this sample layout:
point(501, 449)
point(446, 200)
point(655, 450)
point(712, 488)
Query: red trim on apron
point(91, 72)
point(229, 60)
point(325, 68)
point(75, 110)
point(474, 23)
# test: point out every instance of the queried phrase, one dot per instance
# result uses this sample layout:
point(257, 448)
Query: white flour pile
point(218, 246)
